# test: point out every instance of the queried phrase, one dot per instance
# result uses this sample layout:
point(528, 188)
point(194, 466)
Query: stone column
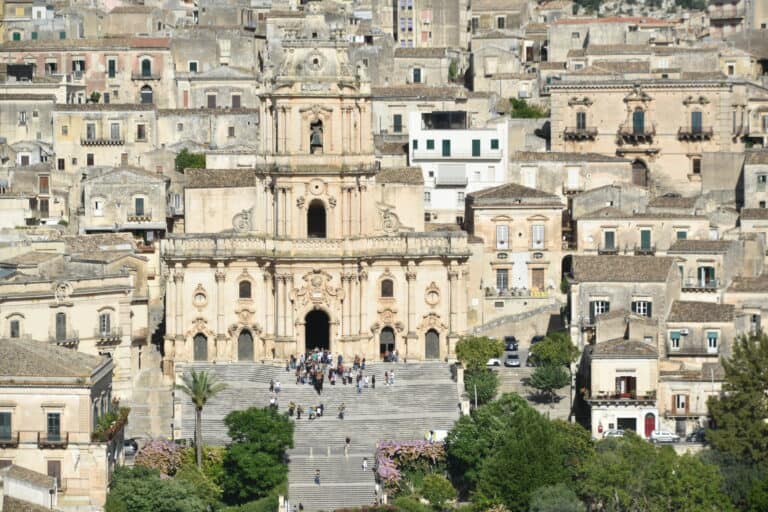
point(355, 287)
point(363, 279)
point(170, 305)
point(363, 225)
point(462, 328)
point(280, 327)
point(269, 319)
point(410, 277)
point(344, 131)
point(288, 288)
point(220, 279)
point(289, 212)
point(178, 277)
point(345, 304)
point(453, 283)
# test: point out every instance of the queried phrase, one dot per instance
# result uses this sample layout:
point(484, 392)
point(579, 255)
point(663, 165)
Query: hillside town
point(315, 203)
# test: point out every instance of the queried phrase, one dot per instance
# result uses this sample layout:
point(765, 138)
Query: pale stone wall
point(664, 230)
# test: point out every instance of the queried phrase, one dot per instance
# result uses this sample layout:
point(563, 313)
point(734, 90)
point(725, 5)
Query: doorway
point(245, 346)
point(627, 424)
point(386, 341)
point(317, 331)
point(432, 345)
point(639, 173)
point(200, 347)
point(650, 424)
point(316, 220)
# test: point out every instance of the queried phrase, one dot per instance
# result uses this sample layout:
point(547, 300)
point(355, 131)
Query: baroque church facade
point(308, 244)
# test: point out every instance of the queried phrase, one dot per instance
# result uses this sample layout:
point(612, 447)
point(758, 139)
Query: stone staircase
point(423, 398)
point(152, 403)
point(512, 381)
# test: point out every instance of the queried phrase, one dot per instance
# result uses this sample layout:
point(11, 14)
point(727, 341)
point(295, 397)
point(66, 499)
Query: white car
point(664, 436)
point(613, 433)
point(493, 362)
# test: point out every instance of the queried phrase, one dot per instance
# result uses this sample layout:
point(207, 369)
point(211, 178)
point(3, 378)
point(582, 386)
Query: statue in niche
point(316, 137)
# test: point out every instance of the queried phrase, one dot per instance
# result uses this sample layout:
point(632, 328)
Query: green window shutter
point(446, 147)
point(398, 122)
point(34, 36)
point(645, 239)
point(475, 147)
point(415, 144)
point(17, 36)
point(62, 35)
point(494, 143)
point(430, 144)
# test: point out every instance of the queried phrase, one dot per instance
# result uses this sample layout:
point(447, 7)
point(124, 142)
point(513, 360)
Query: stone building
point(306, 244)
point(51, 399)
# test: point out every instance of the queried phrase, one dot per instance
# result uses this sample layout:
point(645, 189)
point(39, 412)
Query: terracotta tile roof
point(11, 504)
point(220, 178)
point(132, 9)
point(39, 359)
point(31, 258)
point(555, 156)
point(707, 373)
point(702, 75)
point(98, 242)
point(419, 91)
point(754, 213)
point(406, 175)
point(610, 212)
point(422, 53)
point(615, 49)
point(756, 158)
point(512, 192)
point(551, 66)
point(27, 475)
point(106, 43)
point(31, 97)
point(106, 107)
point(701, 246)
point(624, 349)
point(634, 20)
point(749, 284)
point(618, 269)
point(701, 312)
point(673, 202)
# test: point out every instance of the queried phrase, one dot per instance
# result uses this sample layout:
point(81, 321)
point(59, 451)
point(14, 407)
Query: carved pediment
point(317, 289)
point(637, 95)
point(432, 321)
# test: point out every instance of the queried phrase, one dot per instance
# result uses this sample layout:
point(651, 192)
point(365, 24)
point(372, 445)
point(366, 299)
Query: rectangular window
point(64, 129)
point(193, 66)
point(430, 144)
point(417, 75)
point(645, 239)
point(681, 403)
point(90, 131)
point(89, 160)
point(642, 308)
point(114, 131)
point(62, 35)
point(475, 24)
point(104, 321)
point(500, 22)
point(712, 342)
point(15, 328)
point(494, 143)
point(397, 121)
point(231, 131)
point(60, 164)
point(106, 98)
point(696, 122)
point(97, 208)
point(696, 165)
point(235, 101)
point(54, 470)
point(23, 117)
point(141, 132)
point(537, 236)
point(446, 147)
point(17, 36)
point(460, 198)
point(6, 431)
point(674, 340)
point(415, 144)
point(597, 308)
point(43, 185)
point(53, 426)
point(211, 101)
point(581, 120)
point(111, 68)
point(502, 279)
point(502, 237)
point(609, 240)
point(475, 147)
point(427, 197)
point(34, 36)
point(138, 203)
point(682, 235)
point(762, 180)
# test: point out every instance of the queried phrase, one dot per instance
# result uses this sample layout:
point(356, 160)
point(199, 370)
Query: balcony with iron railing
point(607, 249)
point(66, 339)
point(691, 284)
point(691, 348)
point(637, 135)
point(140, 216)
point(695, 133)
point(9, 440)
point(645, 250)
point(111, 335)
point(76, 77)
point(101, 141)
point(145, 76)
point(631, 399)
point(584, 133)
point(52, 440)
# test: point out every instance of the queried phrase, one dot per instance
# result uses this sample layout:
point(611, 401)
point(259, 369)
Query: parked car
point(512, 361)
point(613, 433)
point(697, 436)
point(510, 342)
point(537, 339)
point(493, 362)
point(130, 447)
point(664, 436)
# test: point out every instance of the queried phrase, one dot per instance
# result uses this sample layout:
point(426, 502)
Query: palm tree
point(200, 387)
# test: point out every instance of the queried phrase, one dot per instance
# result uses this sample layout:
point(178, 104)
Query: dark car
point(537, 339)
point(510, 342)
point(512, 361)
point(697, 436)
point(130, 447)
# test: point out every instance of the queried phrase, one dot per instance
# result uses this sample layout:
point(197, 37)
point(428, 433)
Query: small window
point(64, 129)
point(501, 22)
point(231, 131)
point(502, 237)
point(674, 340)
point(179, 127)
point(397, 121)
point(731, 69)
point(193, 66)
point(138, 206)
point(712, 341)
point(17, 36)
point(61, 164)
point(417, 75)
point(34, 36)
point(537, 236)
point(762, 204)
point(244, 289)
point(235, 101)
point(15, 328)
point(696, 165)
point(387, 288)
point(62, 35)
point(682, 235)
point(642, 307)
point(98, 206)
point(90, 131)
point(43, 185)
point(211, 101)
point(427, 217)
point(141, 132)
point(114, 131)
point(6, 431)
point(460, 198)
point(502, 279)
point(89, 160)
point(415, 144)
point(575, 35)
point(104, 323)
point(446, 147)
point(111, 68)
point(475, 147)
point(494, 143)
point(427, 197)
point(430, 144)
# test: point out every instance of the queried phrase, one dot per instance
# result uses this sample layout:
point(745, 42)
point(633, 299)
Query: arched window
point(146, 94)
point(146, 67)
point(387, 288)
point(244, 289)
point(104, 323)
point(316, 220)
point(638, 121)
point(200, 347)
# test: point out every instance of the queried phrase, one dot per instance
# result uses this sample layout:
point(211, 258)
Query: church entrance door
point(432, 345)
point(317, 331)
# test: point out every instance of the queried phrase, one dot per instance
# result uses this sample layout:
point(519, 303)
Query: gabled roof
point(406, 175)
point(21, 359)
point(701, 246)
point(624, 349)
point(562, 156)
point(139, 173)
point(700, 312)
point(627, 269)
point(512, 193)
point(220, 178)
point(749, 284)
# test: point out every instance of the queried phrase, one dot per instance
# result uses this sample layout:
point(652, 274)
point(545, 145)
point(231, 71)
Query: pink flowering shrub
point(394, 456)
point(162, 455)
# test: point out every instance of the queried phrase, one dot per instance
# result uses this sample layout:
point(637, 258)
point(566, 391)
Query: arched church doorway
point(316, 220)
point(432, 345)
point(245, 346)
point(317, 331)
point(386, 341)
point(200, 347)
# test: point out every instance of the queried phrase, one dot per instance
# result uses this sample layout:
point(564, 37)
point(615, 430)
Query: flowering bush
point(165, 456)
point(394, 456)
point(110, 424)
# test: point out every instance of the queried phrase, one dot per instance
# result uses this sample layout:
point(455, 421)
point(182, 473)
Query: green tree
point(521, 109)
point(556, 349)
point(484, 381)
point(555, 498)
point(140, 489)
point(548, 379)
point(631, 474)
point(200, 387)
point(740, 477)
point(409, 504)
point(254, 463)
point(453, 70)
point(740, 412)
point(437, 490)
point(475, 351)
point(187, 160)
point(95, 97)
